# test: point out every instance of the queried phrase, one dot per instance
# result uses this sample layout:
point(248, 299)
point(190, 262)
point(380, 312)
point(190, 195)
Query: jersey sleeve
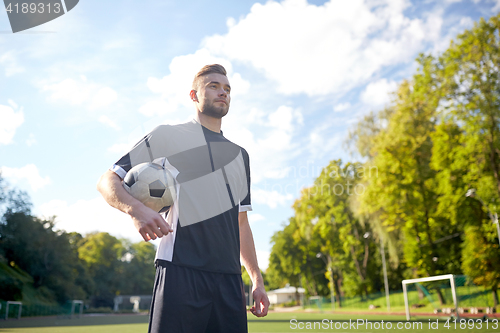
point(140, 153)
point(246, 203)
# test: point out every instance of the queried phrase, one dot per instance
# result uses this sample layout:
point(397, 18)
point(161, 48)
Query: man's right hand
point(149, 223)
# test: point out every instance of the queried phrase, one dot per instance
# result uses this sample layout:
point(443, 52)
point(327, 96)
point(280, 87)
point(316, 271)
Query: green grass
point(274, 322)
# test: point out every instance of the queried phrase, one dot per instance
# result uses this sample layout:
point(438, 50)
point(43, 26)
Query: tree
point(139, 271)
point(285, 260)
point(346, 239)
point(472, 87)
point(102, 254)
point(405, 196)
point(32, 244)
point(293, 261)
point(481, 257)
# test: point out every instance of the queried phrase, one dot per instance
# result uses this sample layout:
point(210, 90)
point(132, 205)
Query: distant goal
point(453, 295)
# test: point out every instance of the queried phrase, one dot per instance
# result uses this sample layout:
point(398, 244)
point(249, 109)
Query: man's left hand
point(261, 304)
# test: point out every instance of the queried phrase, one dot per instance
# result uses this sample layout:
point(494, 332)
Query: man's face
point(214, 95)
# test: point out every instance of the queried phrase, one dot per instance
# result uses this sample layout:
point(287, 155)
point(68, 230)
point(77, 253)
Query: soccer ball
point(151, 184)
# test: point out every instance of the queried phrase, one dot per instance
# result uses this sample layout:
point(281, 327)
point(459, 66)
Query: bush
point(290, 304)
point(98, 310)
point(12, 289)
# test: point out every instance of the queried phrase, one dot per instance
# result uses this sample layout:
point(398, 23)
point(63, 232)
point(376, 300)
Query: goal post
point(449, 277)
point(19, 309)
point(74, 303)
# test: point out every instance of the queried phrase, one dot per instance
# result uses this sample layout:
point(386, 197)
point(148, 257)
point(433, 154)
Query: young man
point(205, 233)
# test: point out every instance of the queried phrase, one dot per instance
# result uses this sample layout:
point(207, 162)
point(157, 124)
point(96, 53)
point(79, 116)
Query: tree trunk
point(366, 292)
point(337, 285)
point(442, 301)
point(421, 295)
point(495, 296)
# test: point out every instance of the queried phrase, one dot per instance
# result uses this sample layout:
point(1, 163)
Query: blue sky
point(77, 92)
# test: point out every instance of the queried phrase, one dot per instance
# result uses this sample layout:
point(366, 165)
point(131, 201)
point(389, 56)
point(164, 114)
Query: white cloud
point(120, 148)
point(496, 8)
point(271, 198)
point(81, 92)
point(104, 97)
point(496, 2)
point(255, 116)
point(378, 94)
point(12, 103)
point(274, 147)
point(254, 217)
point(319, 50)
point(122, 43)
point(9, 123)
point(70, 91)
point(157, 107)
point(341, 107)
point(109, 122)
point(263, 259)
point(31, 140)
point(86, 216)
point(27, 173)
point(174, 88)
point(323, 143)
point(467, 22)
point(9, 61)
point(284, 118)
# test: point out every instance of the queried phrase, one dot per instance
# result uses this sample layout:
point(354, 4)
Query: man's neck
point(211, 123)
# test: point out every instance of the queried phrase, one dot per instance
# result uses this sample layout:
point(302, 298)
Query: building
point(285, 295)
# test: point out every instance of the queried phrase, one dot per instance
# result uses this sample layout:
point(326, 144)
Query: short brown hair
point(208, 69)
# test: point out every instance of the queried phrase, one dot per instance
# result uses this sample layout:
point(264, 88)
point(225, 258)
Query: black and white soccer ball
point(151, 184)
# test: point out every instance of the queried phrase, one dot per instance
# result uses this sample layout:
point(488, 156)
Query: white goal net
point(453, 295)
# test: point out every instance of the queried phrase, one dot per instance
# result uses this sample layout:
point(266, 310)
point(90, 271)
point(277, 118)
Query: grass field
point(274, 322)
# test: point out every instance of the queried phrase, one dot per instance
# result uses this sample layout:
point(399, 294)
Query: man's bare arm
point(149, 223)
point(249, 260)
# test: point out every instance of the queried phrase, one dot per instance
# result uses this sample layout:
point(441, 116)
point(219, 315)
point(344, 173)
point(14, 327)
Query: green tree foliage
point(12, 288)
point(324, 242)
point(293, 261)
point(481, 259)
point(117, 267)
point(139, 272)
point(470, 74)
point(33, 245)
point(346, 241)
point(404, 196)
point(102, 254)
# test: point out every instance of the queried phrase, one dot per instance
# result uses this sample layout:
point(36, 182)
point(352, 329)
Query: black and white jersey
point(212, 177)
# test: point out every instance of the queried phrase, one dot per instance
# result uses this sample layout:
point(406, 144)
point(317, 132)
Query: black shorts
point(194, 301)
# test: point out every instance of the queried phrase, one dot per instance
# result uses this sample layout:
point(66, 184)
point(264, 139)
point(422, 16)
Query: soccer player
point(205, 233)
